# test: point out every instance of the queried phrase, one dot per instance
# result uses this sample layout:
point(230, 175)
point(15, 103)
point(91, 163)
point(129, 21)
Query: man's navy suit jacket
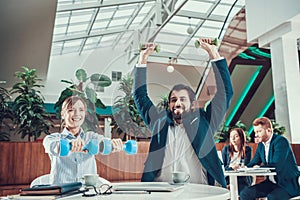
point(282, 158)
point(199, 125)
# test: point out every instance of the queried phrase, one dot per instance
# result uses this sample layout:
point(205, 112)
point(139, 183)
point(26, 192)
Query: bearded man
point(182, 135)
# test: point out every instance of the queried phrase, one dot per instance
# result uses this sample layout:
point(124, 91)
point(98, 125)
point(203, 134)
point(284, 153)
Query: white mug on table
point(91, 179)
point(180, 177)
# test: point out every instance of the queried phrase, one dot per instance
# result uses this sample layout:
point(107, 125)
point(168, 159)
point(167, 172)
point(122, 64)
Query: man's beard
point(177, 116)
point(180, 116)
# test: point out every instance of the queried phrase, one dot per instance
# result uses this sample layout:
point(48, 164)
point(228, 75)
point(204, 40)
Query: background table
point(188, 192)
point(233, 180)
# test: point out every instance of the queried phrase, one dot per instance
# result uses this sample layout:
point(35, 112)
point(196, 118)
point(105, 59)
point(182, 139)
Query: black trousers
point(264, 189)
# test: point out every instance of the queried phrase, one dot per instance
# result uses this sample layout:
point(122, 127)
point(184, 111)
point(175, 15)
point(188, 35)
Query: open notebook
point(51, 189)
point(147, 186)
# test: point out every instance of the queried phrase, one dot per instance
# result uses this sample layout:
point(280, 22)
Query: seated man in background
point(273, 151)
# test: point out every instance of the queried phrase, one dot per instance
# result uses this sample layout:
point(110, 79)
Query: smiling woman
point(73, 114)
point(85, 87)
point(72, 167)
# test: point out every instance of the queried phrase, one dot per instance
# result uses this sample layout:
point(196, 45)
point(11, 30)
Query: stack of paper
point(255, 170)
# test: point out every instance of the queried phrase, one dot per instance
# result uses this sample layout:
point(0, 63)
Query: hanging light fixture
point(170, 67)
point(190, 29)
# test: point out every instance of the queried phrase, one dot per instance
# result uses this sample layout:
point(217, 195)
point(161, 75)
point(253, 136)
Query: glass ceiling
point(83, 25)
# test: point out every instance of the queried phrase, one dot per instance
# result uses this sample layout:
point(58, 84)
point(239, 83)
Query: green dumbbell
point(213, 42)
point(157, 48)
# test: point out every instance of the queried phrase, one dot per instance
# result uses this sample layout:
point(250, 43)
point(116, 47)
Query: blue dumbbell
point(92, 147)
point(130, 147)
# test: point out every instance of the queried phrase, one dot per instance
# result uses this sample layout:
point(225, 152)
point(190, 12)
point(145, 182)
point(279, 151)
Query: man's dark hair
point(183, 87)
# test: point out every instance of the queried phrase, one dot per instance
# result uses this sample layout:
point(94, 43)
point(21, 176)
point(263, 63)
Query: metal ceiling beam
point(145, 21)
point(152, 38)
point(199, 25)
point(82, 36)
point(202, 16)
point(90, 26)
point(73, 7)
point(190, 57)
point(129, 22)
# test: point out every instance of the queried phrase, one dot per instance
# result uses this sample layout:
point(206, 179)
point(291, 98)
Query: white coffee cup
point(180, 177)
point(91, 179)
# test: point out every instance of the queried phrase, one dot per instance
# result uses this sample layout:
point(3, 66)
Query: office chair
point(41, 180)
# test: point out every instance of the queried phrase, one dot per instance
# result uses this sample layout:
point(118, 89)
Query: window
point(116, 76)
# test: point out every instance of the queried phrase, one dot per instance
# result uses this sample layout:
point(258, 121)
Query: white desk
point(233, 180)
point(188, 192)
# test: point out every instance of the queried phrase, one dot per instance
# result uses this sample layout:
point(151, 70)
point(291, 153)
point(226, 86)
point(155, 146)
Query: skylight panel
point(100, 24)
point(139, 19)
point(108, 38)
point(104, 15)
point(147, 7)
point(175, 28)
point(60, 30)
point(196, 6)
point(73, 43)
point(61, 20)
point(118, 22)
point(212, 24)
point(208, 32)
point(124, 13)
point(112, 21)
point(80, 28)
point(80, 18)
point(221, 10)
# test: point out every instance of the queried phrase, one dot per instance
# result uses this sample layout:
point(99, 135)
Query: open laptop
point(147, 186)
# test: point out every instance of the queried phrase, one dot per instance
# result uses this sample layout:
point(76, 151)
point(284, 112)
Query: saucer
point(172, 183)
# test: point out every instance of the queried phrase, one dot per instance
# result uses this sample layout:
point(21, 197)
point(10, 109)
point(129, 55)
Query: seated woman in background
point(237, 154)
point(78, 162)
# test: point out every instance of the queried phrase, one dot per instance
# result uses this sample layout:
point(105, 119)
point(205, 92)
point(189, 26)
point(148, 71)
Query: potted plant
point(222, 135)
point(277, 129)
point(163, 103)
point(6, 114)
point(85, 87)
point(126, 118)
point(28, 107)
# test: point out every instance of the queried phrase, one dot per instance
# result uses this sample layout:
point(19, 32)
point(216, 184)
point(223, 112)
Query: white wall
point(276, 24)
point(264, 15)
point(101, 61)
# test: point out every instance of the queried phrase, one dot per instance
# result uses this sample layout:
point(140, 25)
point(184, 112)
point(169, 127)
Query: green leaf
point(99, 104)
point(81, 75)
point(91, 94)
point(100, 80)
point(95, 77)
point(65, 81)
